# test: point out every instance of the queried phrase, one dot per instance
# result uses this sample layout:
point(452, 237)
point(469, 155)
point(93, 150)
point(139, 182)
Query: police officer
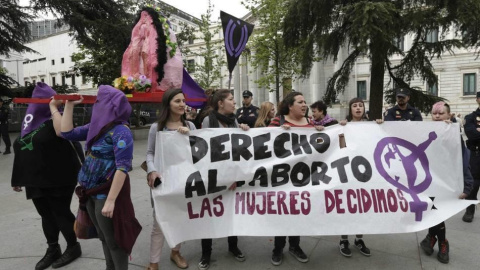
point(248, 113)
point(403, 111)
point(472, 130)
point(4, 113)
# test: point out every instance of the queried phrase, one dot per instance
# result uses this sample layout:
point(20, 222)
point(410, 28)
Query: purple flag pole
point(229, 80)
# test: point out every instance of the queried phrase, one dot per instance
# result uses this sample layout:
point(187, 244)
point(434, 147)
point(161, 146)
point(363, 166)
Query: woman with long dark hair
point(222, 115)
point(171, 118)
point(103, 178)
point(292, 112)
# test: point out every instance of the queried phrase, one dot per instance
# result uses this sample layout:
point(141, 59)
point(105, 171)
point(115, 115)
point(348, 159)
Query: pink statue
point(140, 58)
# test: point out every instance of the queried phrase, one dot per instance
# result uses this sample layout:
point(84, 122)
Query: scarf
point(37, 113)
point(111, 106)
point(214, 117)
point(327, 119)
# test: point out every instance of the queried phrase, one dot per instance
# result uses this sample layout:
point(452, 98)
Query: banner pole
point(229, 80)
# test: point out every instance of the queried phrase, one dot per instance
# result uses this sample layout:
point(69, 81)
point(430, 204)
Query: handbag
point(84, 227)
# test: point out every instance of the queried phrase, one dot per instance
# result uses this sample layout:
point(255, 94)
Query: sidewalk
point(23, 243)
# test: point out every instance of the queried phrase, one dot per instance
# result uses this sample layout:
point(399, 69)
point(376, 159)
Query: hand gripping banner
point(395, 177)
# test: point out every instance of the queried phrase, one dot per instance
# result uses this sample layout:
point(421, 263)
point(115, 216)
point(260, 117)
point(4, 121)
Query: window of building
point(63, 79)
point(362, 89)
point(84, 80)
point(34, 82)
point(26, 83)
point(42, 79)
point(174, 28)
point(432, 36)
point(190, 41)
point(62, 60)
point(54, 81)
point(191, 66)
point(469, 84)
point(398, 42)
point(73, 79)
point(432, 89)
point(53, 62)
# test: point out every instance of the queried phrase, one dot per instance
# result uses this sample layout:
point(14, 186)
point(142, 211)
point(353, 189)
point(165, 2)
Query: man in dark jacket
point(248, 113)
point(472, 130)
point(4, 113)
point(403, 111)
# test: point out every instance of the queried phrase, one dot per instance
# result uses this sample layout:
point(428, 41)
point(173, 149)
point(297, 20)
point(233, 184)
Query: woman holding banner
point(221, 116)
point(292, 110)
point(103, 178)
point(47, 166)
point(265, 114)
point(171, 118)
point(441, 112)
point(356, 113)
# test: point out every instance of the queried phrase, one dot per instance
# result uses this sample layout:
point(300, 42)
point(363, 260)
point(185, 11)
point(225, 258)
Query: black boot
point(53, 253)
point(468, 217)
point(7, 151)
point(70, 254)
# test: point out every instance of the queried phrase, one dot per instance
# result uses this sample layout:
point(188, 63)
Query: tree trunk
point(376, 83)
point(277, 73)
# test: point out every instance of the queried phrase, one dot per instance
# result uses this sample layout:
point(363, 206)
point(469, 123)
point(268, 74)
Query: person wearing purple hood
point(47, 166)
point(103, 178)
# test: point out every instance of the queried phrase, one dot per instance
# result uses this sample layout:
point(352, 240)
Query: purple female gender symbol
point(408, 162)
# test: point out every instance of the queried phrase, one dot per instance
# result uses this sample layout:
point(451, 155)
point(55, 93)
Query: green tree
point(14, 32)
point(209, 72)
point(278, 63)
point(370, 29)
point(101, 28)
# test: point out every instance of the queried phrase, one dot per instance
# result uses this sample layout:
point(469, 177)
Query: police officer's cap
point(478, 94)
point(247, 93)
point(403, 92)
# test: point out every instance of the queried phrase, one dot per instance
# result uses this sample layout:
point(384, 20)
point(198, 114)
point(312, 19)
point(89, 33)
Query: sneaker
point(428, 243)
point(237, 254)
point(53, 253)
point(298, 253)
point(444, 248)
point(361, 246)
point(7, 151)
point(344, 250)
point(70, 254)
point(468, 217)
point(204, 263)
point(277, 258)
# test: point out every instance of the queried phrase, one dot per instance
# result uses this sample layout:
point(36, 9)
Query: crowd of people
point(49, 140)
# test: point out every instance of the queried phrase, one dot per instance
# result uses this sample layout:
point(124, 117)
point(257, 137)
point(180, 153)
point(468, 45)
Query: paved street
point(22, 242)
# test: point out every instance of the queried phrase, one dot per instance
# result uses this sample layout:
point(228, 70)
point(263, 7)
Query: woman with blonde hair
point(265, 114)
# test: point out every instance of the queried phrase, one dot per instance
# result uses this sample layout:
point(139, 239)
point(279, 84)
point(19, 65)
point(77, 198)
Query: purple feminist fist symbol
point(389, 146)
point(229, 44)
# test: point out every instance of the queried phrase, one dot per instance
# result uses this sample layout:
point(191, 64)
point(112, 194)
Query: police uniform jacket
point(4, 112)
point(397, 114)
point(247, 115)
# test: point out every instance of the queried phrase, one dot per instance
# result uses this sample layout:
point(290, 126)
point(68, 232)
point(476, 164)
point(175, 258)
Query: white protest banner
point(393, 177)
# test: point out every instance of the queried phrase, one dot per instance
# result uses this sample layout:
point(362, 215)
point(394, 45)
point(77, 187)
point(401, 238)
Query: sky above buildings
point(192, 7)
point(199, 7)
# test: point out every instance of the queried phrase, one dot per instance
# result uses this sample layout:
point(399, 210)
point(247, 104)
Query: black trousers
point(475, 170)
point(281, 241)
point(439, 231)
point(56, 217)
point(4, 134)
point(207, 245)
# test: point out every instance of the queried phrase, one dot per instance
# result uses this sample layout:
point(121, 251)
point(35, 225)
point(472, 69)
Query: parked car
point(143, 114)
